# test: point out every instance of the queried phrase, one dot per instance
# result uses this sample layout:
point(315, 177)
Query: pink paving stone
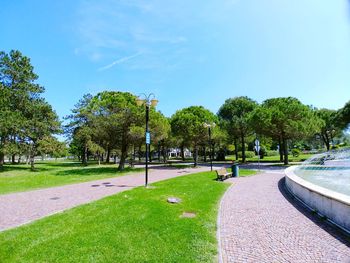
point(260, 222)
point(21, 208)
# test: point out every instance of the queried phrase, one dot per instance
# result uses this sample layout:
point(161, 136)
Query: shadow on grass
point(316, 219)
point(12, 168)
point(86, 171)
point(61, 164)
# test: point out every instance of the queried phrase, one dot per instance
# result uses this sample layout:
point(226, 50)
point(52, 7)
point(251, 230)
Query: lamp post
point(209, 126)
point(148, 101)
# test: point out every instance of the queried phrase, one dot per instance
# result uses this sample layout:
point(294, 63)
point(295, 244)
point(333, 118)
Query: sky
point(198, 52)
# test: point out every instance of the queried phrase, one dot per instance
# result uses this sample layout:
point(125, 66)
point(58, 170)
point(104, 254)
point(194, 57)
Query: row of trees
point(111, 124)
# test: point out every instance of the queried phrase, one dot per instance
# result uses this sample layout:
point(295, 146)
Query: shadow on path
point(316, 219)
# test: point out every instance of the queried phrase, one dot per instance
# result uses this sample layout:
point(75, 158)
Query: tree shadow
point(61, 164)
point(12, 168)
point(86, 171)
point(331, 229)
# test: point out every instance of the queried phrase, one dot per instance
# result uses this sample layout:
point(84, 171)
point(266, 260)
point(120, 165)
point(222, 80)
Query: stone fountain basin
point(327, 203)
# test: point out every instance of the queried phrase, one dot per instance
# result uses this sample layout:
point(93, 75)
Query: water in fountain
point(330, 170)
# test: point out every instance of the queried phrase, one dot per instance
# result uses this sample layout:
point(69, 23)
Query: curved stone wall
point(334, 206)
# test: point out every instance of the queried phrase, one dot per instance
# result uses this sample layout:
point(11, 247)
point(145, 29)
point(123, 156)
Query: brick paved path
point(260, 222)
point(20, 208)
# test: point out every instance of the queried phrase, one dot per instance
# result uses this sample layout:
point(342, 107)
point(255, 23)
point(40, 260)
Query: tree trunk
point(134, 153)
point(32, 156)
point(19, 159)
point(205, 154)
point(13, 158)
point(195, 156)
point(243, 148)
point(84, 157)
point(159, 152)
point(164, 154)
point(149, 153)
point(99, 159)
point(183, 152)
point(2, 159)
point(285, 151)
point(108, 155)
point(140, 153)
point(123, 156)
point(326, 140)
point(236, 148)
point(280, 150)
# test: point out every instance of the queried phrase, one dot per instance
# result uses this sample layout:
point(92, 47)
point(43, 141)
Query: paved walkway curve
point(21, 208)
point(260, 222)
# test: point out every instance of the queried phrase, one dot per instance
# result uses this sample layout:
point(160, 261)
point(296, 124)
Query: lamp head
point(154, 102)
point(140, 102)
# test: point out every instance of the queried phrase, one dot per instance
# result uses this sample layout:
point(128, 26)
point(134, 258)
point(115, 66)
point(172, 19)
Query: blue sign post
point(257, 148)
point(148, 138)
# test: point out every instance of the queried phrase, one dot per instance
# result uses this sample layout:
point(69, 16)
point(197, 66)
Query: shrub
point(272, 153)
point(248, 154)
point(335, 147)
point(295, 152)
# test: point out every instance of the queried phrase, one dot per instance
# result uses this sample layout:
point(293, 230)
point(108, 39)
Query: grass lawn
point(133, 226)
point(300, 158)
point(16, 178)
point(245, 173)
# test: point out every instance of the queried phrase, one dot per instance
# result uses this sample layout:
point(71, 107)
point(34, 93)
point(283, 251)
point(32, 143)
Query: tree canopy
point(284, 119)
point(235, 112)
point(188, 124)
point(25, 117)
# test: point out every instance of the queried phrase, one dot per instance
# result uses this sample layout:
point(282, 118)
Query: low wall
point(334, 206)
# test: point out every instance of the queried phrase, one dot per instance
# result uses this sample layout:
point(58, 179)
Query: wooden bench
point(223, 174)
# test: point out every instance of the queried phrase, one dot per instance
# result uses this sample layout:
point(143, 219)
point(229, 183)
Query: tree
point(79, 129)
point(329, 128)
point(284, 119)
point(19, 99)
point(160, 130)
point(235, 112)
point(343, 116)
point(120, 113)
point(41, 121)
point(50, 145)
point(188, 124)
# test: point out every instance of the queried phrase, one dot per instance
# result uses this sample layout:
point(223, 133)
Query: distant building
point(176, 153)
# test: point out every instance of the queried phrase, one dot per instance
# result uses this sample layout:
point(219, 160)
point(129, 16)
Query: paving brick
point(260, 222)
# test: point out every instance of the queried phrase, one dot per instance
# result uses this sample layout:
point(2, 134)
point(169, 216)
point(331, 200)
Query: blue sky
point(186, 52)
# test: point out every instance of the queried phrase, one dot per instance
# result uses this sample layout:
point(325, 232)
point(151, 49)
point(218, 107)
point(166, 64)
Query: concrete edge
point(320, 191)
point(218, 223)
point(289, 172)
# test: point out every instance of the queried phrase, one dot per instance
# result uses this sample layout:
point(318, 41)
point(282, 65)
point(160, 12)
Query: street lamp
point(148, 101)
point(209, 126)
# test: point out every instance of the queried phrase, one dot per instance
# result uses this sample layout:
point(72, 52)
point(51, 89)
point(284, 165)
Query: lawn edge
point(218, 223)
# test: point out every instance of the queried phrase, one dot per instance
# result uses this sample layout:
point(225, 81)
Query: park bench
point(223, 174)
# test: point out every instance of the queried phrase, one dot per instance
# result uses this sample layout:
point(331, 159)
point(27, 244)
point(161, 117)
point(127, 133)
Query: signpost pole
point(147, 144)
point(257, 148)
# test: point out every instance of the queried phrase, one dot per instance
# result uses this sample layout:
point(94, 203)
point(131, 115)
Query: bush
point(335, 147)
point(296, 152)
point(272, 153)
point(248, 154)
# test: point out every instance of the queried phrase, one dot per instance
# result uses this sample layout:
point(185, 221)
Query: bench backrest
point(221, 171)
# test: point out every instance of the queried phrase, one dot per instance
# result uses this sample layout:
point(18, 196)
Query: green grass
point(245, 173)
point(300, 158)
point(16, 178)
point(180, 166)
point(133, 226)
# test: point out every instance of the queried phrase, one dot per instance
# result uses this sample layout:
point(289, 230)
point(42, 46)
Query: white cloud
point(119, 61)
